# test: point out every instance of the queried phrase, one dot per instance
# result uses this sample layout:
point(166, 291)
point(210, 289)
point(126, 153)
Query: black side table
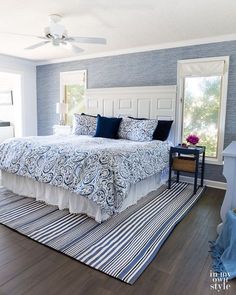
point(187, 159)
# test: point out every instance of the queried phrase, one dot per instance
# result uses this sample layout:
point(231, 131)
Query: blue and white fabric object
point(84, 124)
point(223, 250)
point(96, 168)
point(137, 130)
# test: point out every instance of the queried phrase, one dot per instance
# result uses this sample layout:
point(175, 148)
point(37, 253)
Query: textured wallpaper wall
point(151, 68)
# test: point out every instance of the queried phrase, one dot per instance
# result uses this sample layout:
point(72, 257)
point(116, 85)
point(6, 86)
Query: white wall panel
point(144, 108)
point(154, 102)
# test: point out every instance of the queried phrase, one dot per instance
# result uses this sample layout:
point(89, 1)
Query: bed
point(96, 176)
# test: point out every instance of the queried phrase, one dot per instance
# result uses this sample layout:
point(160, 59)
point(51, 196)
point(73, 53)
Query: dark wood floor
point(182, 265)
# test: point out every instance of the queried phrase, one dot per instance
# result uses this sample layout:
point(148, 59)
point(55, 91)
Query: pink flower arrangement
point(193, 139)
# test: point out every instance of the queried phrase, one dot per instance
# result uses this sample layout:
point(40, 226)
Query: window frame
point(64, 78)
point(180, 104)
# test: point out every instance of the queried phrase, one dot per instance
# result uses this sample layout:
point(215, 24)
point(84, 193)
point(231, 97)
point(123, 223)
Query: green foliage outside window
point(202, 110)
point(75, 99)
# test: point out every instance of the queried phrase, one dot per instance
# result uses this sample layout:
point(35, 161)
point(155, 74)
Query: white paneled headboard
point(154, 102)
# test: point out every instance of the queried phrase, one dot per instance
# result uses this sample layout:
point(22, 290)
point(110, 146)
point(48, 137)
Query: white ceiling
point(124, 23)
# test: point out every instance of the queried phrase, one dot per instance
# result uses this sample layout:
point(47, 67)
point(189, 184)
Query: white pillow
point(84, 125)
point(137, 130)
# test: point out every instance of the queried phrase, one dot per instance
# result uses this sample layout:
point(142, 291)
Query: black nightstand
point(187, 159)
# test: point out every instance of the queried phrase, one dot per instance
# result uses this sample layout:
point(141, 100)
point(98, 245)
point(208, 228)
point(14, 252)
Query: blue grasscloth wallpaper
point(151, 68)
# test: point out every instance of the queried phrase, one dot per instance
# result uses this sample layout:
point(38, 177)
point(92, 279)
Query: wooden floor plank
point(181, 267)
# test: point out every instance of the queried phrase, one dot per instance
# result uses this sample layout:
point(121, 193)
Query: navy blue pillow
point(107, 127)
point(162, 131)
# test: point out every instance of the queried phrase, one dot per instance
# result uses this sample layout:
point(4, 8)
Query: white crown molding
point(201, 41)
point(22, 60)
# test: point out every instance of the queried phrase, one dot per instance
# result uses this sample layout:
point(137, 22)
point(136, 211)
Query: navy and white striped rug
point(121, 247)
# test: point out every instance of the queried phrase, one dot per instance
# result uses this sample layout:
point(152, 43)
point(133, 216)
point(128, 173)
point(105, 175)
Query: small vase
point(192, 146)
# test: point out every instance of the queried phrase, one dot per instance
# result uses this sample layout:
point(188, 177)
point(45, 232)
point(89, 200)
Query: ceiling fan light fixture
point(57, 35)
point(56, 30)
point(56, 42)
point(55, 18)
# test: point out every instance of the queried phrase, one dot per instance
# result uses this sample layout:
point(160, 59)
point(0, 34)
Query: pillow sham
point(137, 130)
point(163, 130)
point(107, 127)
point(84, 125)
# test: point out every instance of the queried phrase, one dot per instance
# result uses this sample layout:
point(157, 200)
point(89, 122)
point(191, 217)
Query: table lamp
point(62, 109)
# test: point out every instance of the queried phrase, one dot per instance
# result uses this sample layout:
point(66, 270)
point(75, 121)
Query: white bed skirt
point(75, 203)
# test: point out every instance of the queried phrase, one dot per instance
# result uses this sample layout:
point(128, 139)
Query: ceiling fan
point(56, 34)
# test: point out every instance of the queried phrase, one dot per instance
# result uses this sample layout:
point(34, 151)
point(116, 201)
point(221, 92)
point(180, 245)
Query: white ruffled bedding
point(64, 199)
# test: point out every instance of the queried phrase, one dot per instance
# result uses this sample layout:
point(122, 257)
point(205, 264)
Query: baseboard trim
point(207, 182)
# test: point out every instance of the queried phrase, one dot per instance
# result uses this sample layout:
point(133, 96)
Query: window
point(73, 85)
point(11, 104)
point(201, 110)
point(202, 85)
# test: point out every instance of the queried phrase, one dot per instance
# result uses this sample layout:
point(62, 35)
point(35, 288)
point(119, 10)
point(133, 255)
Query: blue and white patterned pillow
point(84, 125)
point(137, 130)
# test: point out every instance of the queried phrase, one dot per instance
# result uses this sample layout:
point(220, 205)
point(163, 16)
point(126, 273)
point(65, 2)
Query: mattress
point(97, 169)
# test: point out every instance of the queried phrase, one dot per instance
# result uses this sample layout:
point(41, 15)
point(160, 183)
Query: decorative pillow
point(137, 130)
point(163, 129)
point(107, 127)
point(84, 125)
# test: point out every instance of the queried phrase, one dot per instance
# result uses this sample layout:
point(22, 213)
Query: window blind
point(73, 78)
point(203, 69)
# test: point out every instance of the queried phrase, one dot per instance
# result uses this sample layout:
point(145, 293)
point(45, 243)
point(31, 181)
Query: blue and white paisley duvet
point(97, 168)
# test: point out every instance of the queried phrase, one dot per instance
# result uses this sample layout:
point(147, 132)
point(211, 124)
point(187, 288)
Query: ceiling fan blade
point(37, 45)
point(92, 40)
point(24, 35)
point(72, 47)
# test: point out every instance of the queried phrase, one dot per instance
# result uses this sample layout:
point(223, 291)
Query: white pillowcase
point(137, 130)
point(84, 125)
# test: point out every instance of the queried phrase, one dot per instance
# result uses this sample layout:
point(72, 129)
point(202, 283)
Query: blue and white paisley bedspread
point(97, 168)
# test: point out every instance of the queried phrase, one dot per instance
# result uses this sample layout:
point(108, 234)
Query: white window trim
point(179, 106)
point(64, 76)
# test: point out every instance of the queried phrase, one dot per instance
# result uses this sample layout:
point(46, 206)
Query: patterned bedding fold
point(97, 168)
